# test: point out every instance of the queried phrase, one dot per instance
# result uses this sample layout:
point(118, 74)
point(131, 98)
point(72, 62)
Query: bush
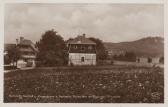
point(10, 67)
point(105, 62)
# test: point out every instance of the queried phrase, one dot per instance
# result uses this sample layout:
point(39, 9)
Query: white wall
point(21, 63)
point(142, 60)
point(145, 60)
point(75, 58)
point(155, 60)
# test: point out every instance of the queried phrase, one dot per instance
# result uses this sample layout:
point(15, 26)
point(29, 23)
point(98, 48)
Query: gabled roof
point(81, 40)
point(25, 42)
point(28, 43)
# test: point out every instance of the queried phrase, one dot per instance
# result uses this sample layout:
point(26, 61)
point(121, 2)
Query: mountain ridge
point(149, 46)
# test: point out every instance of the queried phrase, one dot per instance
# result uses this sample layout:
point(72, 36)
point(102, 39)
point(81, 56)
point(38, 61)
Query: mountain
point(150, 46)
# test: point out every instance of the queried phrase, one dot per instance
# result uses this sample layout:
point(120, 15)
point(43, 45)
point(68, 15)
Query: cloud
point(109, 22)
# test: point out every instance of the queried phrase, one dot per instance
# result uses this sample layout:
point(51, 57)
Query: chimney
point(21, 39)
point(84, 35)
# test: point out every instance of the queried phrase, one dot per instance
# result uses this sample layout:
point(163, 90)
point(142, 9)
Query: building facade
point(81, 51)
point(152, 60)
point(27, 52)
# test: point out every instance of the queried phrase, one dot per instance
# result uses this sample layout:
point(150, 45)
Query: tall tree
point(14, 55)
point(101, 51)
point(51, 49)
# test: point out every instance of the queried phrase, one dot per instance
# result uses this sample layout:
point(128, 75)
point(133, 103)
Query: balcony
point(29, 56)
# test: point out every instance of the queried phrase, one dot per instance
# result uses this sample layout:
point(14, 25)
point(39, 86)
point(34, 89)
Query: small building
point(152, 60)
point(142, 60)
point(27, 52)
point(81, 51)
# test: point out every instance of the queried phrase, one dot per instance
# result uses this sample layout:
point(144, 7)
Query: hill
point(150, 46)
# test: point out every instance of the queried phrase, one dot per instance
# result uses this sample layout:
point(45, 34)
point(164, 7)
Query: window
point(25, 60)
point(82, 59)
point(138, 60)
point(76, 46)
point(82, 48)
point(90, 47)
point(149, 60)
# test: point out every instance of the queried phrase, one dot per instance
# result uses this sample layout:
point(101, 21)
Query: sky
point(108, 22)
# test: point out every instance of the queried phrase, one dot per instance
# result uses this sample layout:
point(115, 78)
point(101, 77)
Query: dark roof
point(81, 40)
point(28, 43)
point(9, 46)
point(25, 42)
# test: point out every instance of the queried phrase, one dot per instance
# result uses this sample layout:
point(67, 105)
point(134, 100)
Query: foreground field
point(85, 85)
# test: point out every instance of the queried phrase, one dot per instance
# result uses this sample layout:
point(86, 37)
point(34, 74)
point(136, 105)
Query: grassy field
point(85, 85)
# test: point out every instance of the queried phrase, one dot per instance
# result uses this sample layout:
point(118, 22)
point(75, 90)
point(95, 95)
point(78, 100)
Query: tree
point(51, 49)
point(130, 56)
point(14, 55)
point(7, 59)
point(101, 51)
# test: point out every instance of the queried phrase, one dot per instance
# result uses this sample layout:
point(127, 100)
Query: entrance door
point(82, 59)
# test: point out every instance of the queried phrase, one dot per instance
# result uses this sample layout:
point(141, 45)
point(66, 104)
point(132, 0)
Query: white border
point(84, 1)
point(165, 2)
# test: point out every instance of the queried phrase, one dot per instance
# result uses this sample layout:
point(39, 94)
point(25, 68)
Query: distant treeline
point(128, 56)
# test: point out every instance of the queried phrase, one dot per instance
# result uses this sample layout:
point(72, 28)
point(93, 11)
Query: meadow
point(117, 84)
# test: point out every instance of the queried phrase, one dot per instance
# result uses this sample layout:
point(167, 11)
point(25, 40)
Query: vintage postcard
point(84, 53)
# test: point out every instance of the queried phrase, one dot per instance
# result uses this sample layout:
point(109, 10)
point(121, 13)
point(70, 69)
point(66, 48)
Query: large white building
point(81, 51)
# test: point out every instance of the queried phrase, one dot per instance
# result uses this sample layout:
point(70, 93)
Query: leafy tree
point(51, 49)
point(101, 51)
point(130, 56)
point(6, 59)
point(14, 55)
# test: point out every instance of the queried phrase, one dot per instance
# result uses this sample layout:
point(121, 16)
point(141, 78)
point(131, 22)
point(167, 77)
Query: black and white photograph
point(83, 53)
